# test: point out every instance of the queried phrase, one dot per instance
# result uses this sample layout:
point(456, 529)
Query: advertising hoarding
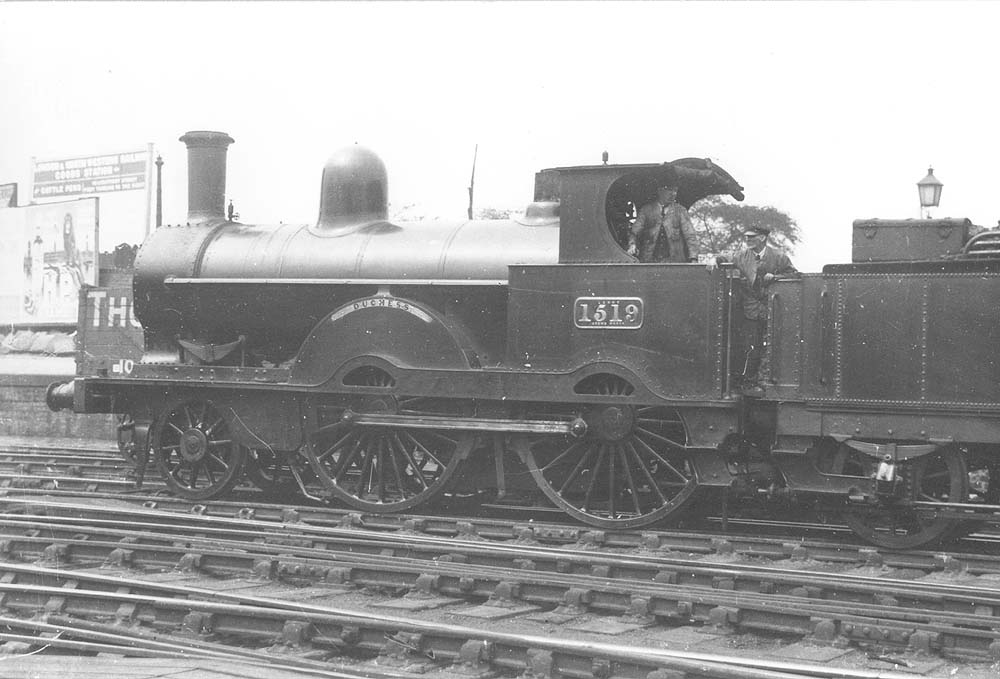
point(49, 253)
point(88, 175)
point(8, 195)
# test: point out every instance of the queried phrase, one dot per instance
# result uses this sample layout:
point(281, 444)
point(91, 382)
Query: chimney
point(206, 174)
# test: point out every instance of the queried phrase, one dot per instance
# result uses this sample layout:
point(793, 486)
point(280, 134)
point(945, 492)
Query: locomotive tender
point(382, 365)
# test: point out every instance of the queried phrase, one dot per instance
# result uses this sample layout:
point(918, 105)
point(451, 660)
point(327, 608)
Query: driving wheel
point(630, 468)
point(386, 469)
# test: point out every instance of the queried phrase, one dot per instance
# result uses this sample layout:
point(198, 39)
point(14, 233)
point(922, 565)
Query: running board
point(576, 427)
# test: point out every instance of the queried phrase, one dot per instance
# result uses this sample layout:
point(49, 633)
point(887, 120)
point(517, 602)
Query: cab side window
point(623, 200)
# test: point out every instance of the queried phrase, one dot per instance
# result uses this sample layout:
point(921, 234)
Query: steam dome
point(354, 189)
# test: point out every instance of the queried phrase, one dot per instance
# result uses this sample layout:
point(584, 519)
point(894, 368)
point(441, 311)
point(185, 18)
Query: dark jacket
point(752, 270)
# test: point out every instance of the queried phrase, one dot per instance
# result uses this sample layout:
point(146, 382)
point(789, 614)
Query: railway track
point(976, 554)
point(727, 547)
point(93, 468)
point(640, 591)
point(346, 641)
point(98, 470)
point(887, 608)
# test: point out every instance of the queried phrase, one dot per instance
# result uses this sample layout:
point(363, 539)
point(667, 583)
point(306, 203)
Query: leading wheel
point(940, 476)
point(630, 468)
point(195, 451)
point(386, 469)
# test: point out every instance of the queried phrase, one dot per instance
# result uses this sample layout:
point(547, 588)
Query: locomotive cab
point(598, 203)
point(659, 328)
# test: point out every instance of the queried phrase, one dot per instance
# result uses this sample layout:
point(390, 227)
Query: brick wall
point(23, 412)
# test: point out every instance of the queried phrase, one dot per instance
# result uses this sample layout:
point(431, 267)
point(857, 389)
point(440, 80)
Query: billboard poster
point(8, 195)
point(88, 175)
point(49, 255)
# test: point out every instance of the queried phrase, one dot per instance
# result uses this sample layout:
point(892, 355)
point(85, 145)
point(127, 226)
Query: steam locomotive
point(383, 365)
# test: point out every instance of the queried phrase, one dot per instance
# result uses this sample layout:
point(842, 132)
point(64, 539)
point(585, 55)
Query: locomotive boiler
point(383, 365)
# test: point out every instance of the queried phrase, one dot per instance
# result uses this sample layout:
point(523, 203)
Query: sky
point(827, 111)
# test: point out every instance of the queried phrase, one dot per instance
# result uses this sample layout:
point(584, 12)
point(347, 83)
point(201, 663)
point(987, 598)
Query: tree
point(720, 223)
point(493, 213)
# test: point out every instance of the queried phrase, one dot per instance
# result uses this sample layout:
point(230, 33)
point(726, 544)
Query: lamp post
point(929, 189)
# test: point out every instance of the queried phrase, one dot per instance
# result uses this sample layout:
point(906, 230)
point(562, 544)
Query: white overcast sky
point(828, 112)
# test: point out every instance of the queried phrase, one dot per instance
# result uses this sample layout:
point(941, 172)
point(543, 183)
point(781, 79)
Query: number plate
point(608, 312)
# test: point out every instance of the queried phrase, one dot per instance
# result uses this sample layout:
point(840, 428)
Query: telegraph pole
point(159, 190)
point(472, 181)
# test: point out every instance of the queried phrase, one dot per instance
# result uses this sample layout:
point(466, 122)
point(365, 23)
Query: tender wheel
point(984, 482)
point(940, 476)
point(386, 469)
point(630, 468)
point(195, 452)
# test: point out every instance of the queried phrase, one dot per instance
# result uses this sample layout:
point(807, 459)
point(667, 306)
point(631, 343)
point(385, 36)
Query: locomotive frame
point(381, 366)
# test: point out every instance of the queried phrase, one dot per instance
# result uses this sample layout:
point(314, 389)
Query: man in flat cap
point(662, 231)
point(759, 264)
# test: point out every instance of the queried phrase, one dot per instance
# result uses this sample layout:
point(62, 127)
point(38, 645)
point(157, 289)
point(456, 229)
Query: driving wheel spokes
point(386, 469)
point(940, 476)
point(195, 452)
point(630, 469)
